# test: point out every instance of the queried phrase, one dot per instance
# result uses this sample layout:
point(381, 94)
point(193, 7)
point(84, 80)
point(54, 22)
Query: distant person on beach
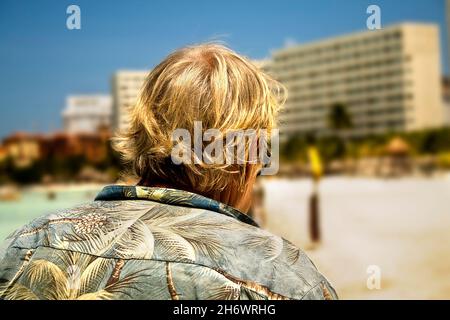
point(182, 232)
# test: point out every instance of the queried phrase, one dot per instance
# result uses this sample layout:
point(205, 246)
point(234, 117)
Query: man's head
point(209, 85)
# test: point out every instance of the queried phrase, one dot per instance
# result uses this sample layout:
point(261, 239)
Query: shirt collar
point(173, 197)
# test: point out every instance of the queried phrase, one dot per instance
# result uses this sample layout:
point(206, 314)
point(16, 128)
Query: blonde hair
point(208, 83)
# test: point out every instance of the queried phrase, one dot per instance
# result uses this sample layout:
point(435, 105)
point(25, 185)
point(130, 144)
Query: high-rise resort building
point(388, 80)
point(87, 113)
point(126, 86)
point(447, 10)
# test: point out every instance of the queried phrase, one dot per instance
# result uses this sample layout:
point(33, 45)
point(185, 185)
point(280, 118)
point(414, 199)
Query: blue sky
point(41, 61)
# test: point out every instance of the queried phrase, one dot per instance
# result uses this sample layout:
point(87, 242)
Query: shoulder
point(197, 244)
point(276, 264)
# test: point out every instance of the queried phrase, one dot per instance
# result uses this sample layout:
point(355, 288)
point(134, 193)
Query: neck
point(230, 195)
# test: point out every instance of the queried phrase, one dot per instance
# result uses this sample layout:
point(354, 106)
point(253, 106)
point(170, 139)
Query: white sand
point(402, 226)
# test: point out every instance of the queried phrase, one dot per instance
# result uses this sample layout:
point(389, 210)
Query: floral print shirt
point(137, 242)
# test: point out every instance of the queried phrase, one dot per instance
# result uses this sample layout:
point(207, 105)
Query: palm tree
point(339, 119)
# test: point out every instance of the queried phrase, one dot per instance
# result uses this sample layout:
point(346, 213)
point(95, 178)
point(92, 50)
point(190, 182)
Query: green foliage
point(339, 118)
point(432, 141)
point(112, 160)
point(332, 148)
point(294, 149)
point(58, 168)
point(443, 160)
point(27, 175)
point(64, 167)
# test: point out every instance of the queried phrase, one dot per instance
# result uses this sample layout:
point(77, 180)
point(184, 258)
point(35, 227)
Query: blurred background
point(364, 180)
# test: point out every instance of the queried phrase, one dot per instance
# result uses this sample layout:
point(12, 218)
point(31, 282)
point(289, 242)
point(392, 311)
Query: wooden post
point(314, 222)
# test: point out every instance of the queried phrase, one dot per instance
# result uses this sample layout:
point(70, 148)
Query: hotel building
point(389, 80)
point(126, 86)
point(87, 113)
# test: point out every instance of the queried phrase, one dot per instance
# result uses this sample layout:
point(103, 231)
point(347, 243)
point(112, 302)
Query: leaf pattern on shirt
point(154, 243)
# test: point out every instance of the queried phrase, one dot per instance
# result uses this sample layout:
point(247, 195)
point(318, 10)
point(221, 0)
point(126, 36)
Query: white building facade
point(126, 86)
point(87, 113)
point(389, 80)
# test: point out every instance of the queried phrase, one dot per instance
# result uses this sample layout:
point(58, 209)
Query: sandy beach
point(401, 226)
